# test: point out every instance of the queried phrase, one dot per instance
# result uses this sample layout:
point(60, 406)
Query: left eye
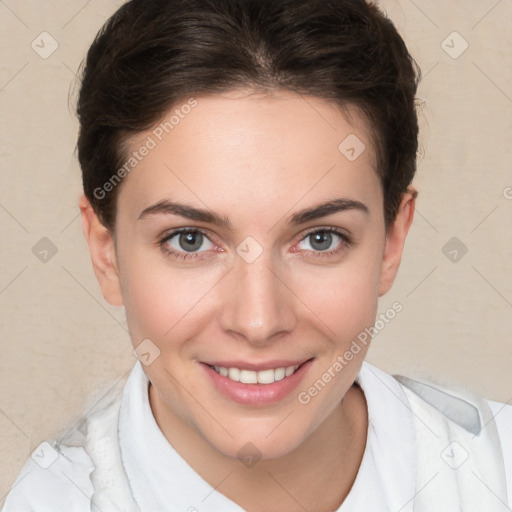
point(323, 239)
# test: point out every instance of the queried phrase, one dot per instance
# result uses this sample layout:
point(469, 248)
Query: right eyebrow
point(189, 212)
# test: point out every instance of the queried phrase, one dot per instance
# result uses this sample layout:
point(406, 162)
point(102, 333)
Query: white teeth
point(289, 370)
point(279, 373)
point(253, 377)
point(248, 377)
point(234, 374)
point(266, 376)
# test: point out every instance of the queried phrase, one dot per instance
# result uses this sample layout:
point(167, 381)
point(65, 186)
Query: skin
point(255, 159)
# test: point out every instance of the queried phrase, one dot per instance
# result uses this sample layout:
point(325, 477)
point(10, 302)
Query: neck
point(317, 475)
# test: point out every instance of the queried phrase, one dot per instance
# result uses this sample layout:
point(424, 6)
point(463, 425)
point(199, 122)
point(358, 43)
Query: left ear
point(395, 239)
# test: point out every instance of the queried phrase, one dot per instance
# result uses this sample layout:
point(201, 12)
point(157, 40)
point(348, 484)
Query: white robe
point(448, 457)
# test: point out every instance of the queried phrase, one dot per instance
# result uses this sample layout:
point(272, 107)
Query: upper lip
point(264, 365)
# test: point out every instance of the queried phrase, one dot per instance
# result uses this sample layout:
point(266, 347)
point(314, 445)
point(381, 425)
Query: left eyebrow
point(329, 208)
point(300, 217)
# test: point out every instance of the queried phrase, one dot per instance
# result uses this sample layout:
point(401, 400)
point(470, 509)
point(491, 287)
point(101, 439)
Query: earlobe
point(103, 253)
point(395, 240)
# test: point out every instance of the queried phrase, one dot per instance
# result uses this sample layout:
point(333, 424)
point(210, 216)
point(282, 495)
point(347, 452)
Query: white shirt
point(161, 480)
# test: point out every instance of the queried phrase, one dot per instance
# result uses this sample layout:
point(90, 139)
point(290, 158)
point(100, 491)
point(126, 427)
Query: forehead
point(249, 148)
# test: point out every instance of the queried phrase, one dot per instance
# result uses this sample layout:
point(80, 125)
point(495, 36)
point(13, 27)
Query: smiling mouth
point(268, 376)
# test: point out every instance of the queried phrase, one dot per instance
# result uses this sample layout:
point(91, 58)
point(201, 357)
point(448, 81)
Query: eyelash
point(347, 242)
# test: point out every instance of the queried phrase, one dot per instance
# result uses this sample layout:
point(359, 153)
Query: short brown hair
point(152, 54)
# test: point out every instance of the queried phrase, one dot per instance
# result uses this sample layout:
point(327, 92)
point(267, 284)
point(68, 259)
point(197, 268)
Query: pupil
point(323, 238)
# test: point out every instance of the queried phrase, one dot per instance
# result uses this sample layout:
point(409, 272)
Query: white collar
point(392, 439)
point(161, 480)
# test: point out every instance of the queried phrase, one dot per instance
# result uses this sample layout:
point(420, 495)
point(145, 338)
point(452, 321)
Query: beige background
point(62, 345)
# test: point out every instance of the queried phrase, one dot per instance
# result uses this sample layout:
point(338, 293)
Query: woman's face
point(264, 278)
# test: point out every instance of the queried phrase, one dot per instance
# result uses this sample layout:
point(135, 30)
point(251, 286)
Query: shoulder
point(58, 476)
point(55, 478)
point(502, 413)
point(471, 412)
point(484, 427)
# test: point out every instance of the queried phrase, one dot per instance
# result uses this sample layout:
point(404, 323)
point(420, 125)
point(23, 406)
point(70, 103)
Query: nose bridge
point(258, 305)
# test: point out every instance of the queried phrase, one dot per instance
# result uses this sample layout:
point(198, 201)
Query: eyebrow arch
point(300, 217)
point(329, 208)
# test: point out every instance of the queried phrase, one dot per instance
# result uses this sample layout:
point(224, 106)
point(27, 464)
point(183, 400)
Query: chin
point(247, 447)
point(269, 438)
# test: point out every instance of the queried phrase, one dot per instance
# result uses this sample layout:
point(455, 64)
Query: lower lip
point(257, 394)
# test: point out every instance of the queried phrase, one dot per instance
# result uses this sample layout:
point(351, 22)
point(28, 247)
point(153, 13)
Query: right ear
point(103, 253)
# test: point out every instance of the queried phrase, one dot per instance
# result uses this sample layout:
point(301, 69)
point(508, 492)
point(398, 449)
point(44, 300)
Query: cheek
point(162, 302)
point(358, 292)
point(344, 296)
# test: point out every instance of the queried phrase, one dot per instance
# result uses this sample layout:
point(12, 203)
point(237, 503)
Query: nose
point(258, 304)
